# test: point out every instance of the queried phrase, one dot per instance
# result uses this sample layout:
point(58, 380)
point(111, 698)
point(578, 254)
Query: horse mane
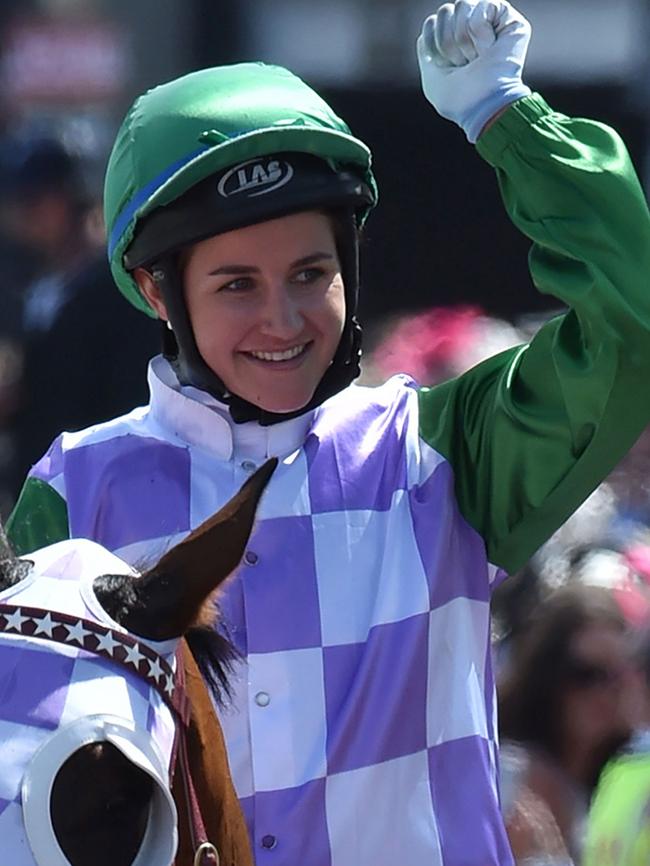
point(215, 656)
point(213, 651)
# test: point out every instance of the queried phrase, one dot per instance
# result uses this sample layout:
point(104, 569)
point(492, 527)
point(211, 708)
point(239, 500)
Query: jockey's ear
point(167, 600)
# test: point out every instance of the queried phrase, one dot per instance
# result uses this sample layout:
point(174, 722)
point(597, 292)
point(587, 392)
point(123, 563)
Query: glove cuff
point(507, 92)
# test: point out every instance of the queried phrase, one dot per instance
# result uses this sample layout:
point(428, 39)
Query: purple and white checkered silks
point(56, 697)
point(362, 731)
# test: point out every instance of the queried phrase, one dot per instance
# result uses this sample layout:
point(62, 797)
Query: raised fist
point(471, 55)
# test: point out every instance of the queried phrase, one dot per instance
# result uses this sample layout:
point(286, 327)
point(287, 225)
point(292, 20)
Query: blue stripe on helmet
point(140, 197)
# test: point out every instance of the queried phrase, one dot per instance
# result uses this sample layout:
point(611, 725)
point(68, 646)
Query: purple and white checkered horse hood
point(58, 694)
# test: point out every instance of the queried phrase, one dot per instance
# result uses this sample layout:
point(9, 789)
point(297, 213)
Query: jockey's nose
point(281, 315)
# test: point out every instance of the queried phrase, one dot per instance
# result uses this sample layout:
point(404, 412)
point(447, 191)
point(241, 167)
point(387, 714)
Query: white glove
point(471, 55)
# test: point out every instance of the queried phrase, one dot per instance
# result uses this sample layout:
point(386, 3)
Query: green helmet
point(182, 132)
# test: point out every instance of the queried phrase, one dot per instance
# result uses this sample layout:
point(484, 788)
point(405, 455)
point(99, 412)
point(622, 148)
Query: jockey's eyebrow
point(251, 269)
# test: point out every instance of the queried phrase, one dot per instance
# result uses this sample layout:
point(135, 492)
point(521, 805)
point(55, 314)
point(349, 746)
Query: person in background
point(83, 351)
point(564, 709)
point(20, 266)
point(618, 828)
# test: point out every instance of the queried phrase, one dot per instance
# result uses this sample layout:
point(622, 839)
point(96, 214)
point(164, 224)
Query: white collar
point(199, 419)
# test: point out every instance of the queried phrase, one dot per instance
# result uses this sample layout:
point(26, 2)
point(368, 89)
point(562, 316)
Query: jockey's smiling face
point(267, 307)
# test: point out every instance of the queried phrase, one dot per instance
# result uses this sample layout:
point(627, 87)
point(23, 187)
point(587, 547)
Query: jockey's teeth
point(279, 356)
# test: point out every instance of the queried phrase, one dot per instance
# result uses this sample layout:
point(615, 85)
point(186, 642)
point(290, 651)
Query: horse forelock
point(12, 571)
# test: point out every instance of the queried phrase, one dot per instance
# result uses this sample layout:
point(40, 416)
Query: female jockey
point(362, 726)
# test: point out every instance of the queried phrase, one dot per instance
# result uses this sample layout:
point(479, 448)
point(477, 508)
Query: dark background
point(440, 234)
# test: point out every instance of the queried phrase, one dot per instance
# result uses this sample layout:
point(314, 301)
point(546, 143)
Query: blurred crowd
point(72, 350)
point(571, 629)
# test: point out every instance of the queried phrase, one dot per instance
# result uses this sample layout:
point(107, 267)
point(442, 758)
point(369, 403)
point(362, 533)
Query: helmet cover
point(181, 132)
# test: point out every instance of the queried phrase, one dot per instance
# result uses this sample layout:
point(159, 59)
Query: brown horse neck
point(220, 809)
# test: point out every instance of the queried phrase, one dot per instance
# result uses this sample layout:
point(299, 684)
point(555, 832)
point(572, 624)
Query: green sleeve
point(532, 432)
point(39, 518)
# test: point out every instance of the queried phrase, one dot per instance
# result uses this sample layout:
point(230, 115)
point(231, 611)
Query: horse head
point(90, 702)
